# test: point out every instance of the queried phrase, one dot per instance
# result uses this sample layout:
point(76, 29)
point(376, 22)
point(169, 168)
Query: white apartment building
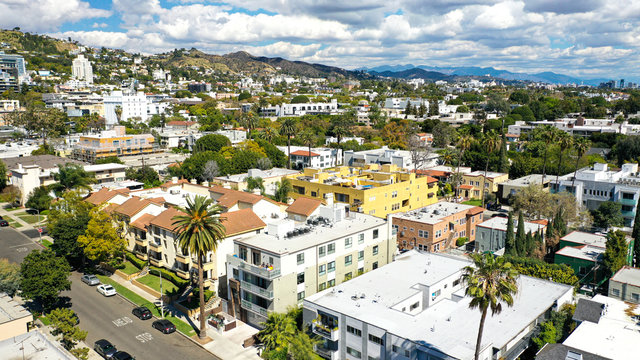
point(277, 269)
point(330, 108)
point(597, 184)
point(318, 158)
point(81, 69)
point(415, 308)
point(384, 155)
point(578, 126)
point(131, 105)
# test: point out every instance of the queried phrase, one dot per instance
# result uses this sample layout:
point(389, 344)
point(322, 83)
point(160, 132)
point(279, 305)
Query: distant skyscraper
point(81, 69)
point(621, 83)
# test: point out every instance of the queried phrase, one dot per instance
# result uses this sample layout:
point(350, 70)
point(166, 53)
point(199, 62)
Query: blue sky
point(586, 38)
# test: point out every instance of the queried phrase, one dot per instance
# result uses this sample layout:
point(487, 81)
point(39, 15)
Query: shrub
point(168, 275)
point(135, 261)
point(461, 241)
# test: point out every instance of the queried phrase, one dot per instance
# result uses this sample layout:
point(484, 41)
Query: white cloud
point(99, 25)
point(46, 15)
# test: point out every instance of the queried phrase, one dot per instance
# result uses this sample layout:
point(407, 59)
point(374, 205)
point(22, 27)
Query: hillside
point(17, 40)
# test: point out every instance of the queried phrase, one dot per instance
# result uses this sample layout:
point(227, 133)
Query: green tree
point(503, 159)
point(101, 241)
point(211, 142)
point(64, 323)
point(4, 173)
point(283, 188)
point(109, 160)
point(608, 214)
point(581, 145)
point(565, 142)
point(44, 276)
point(489, 282)
point(521, 237)
point(548, 135)
point(255, 183)
point(288, 128)
point(615, 255)
point(245, 95)
point(510, 240)
point(36, 119)
point(199, 231)
point(9, 277)
point(490, 144)
point(443, 134)
point(278, 332)
point(68, 219)
point(71, 177)
point(308, 138)
point(547, 335)
point(300, 99)
point(39, 199)
point(635, 234)
point(145, 174)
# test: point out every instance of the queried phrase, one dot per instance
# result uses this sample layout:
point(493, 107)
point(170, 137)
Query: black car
point(122, 355)
point(4, 223)
point(500, 214)
point(32, 211)
point(105, 349)
point(493, 206)
point(164, 325)
point(142, 313)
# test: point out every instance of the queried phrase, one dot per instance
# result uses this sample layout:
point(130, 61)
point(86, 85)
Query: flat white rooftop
point(490, 174)
point(449, 326)
point(11, 310)
point(103, 167)
point(500, 223)
point(628, 275)
point(263, 174)
point(586, 238)
point(434, 213)
point(584, 252)
point(527, 180)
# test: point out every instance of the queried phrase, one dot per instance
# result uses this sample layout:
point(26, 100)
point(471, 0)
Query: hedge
point(169, 275)
point(135, 261)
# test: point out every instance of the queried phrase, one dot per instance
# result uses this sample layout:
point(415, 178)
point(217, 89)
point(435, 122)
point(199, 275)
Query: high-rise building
point(81, 69)
point(621, 83)
point(13, 71)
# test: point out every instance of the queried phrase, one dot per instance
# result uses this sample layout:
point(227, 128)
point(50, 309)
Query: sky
point(583, 38)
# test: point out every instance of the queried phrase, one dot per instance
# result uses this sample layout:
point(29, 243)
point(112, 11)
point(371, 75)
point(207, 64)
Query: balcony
point(155, 246)
point(248, 305)
point(142, 242)
point(266, 273)
point(156, 262)
point(628, 214)
point(183, 259)
point(325, 331)
point(326, 353)
point(183, 274)
point(140, 254)
point(631, 202)
point(246, 286)
point(208, 265)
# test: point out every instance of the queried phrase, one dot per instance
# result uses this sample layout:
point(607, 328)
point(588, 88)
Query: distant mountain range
point(430, 73)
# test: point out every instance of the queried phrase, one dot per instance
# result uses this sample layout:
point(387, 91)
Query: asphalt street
point(110, 318)
point(14, 245)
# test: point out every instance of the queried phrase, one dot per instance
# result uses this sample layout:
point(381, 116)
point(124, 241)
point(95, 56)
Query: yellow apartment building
point(374, 190)
point(112, 143)
point(471, 186)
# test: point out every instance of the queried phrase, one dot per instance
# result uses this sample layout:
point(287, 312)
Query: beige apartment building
point(436, 227)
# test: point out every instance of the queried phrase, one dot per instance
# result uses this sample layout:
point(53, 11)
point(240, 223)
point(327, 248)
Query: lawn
point(473, 202)
point(14, 208)
point(153, 282)
point(14, 224)
point(32, 219)
point(46, 243)
point(140, 301)
point(129, 269)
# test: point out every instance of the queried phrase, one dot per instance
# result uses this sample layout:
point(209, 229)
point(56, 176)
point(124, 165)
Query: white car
point(106, 290)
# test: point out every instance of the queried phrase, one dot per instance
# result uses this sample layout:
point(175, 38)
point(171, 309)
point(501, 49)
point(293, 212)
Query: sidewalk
point(12, 216)
point(226, 345)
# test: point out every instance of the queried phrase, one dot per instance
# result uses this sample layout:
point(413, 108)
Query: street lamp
point(161, 299)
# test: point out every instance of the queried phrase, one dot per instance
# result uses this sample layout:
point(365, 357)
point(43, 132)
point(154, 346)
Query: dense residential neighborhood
point(184, 205)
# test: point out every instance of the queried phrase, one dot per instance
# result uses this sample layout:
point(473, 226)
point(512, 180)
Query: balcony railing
point(629, 214)
point(324, 352)
point(142, 242)
point(628, 201)
point(155, 246)
point(182, 273)
point(183, 259)
point(325, 331)
point(267, 273)
point(156, 262)
point(256, 289)
point(248, 305)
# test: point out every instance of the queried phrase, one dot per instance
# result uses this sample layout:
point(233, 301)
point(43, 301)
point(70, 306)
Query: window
point(635, 297)
point(322, 269)
point(331, 283)
point(354, 331)
point(322, 286)
point(615, 292)
point(395, 207)
point(360, 271)
point(436, 247)
point(423, 234)
point(414, 306)
point(347, 243)
point(361, 255)
point(394, 194)
point(332, 266)
point(348, 276)
point(342, 197)
point(375, 250)
point(331, 248)
point(348, 260)
point(375, 265)
point(321, 251)
point(300, 295)
point(376, 340)
point(314, 194)
point(353, 352)
point(300, 258)
point(375, 233)
point(300, 278)
point(361, 237)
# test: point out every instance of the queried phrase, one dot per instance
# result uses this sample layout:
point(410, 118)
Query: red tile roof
point(101, 196)
point(304, 206)
point(466, 187)
point(475, 210)
point(165, 219)
point(142, 222)
point(304, 153)
point(132, 206)
point(181, 123)
point(241, 221)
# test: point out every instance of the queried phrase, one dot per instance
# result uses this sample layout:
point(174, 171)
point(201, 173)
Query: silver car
point(90, 280)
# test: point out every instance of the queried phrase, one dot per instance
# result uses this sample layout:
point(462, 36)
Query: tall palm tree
point(279, 330)
point(565, 141)
point(490, 143)
point(250, 121)
point(200, 230)
point(581, 145)
point(548, 134)
point(269, 133)
point(490, 281)
point(288, 129)
point(70, 177)
point(309, 138)
point(463, 144)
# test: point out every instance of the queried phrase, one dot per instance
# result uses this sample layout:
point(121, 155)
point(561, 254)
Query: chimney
point(329, 199)
point(194, 181)
point(174, 180)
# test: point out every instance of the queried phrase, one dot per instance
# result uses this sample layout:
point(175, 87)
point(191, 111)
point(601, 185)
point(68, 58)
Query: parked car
point(142, 313)
point(90, 280)
point(122, 355)
point(500, 214)
point(106, 290)
point(104, 348)
point(32, 211)
point(493, 206)
point(164, 325)
point(4, 223)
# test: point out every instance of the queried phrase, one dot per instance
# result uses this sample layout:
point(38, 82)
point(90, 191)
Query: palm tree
point(200, 230)
point(118, 111)
point(490, 143)
point(269, 133)
point(548, 135)
point(288, 129)
point(309, 138)
point(582, 145)
point(565, 142)
point(70, 177)
point(279, 330)
point(250, 121)
point(283, 188)
point(463, 144)
point(446, 156)
point(490, 281)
